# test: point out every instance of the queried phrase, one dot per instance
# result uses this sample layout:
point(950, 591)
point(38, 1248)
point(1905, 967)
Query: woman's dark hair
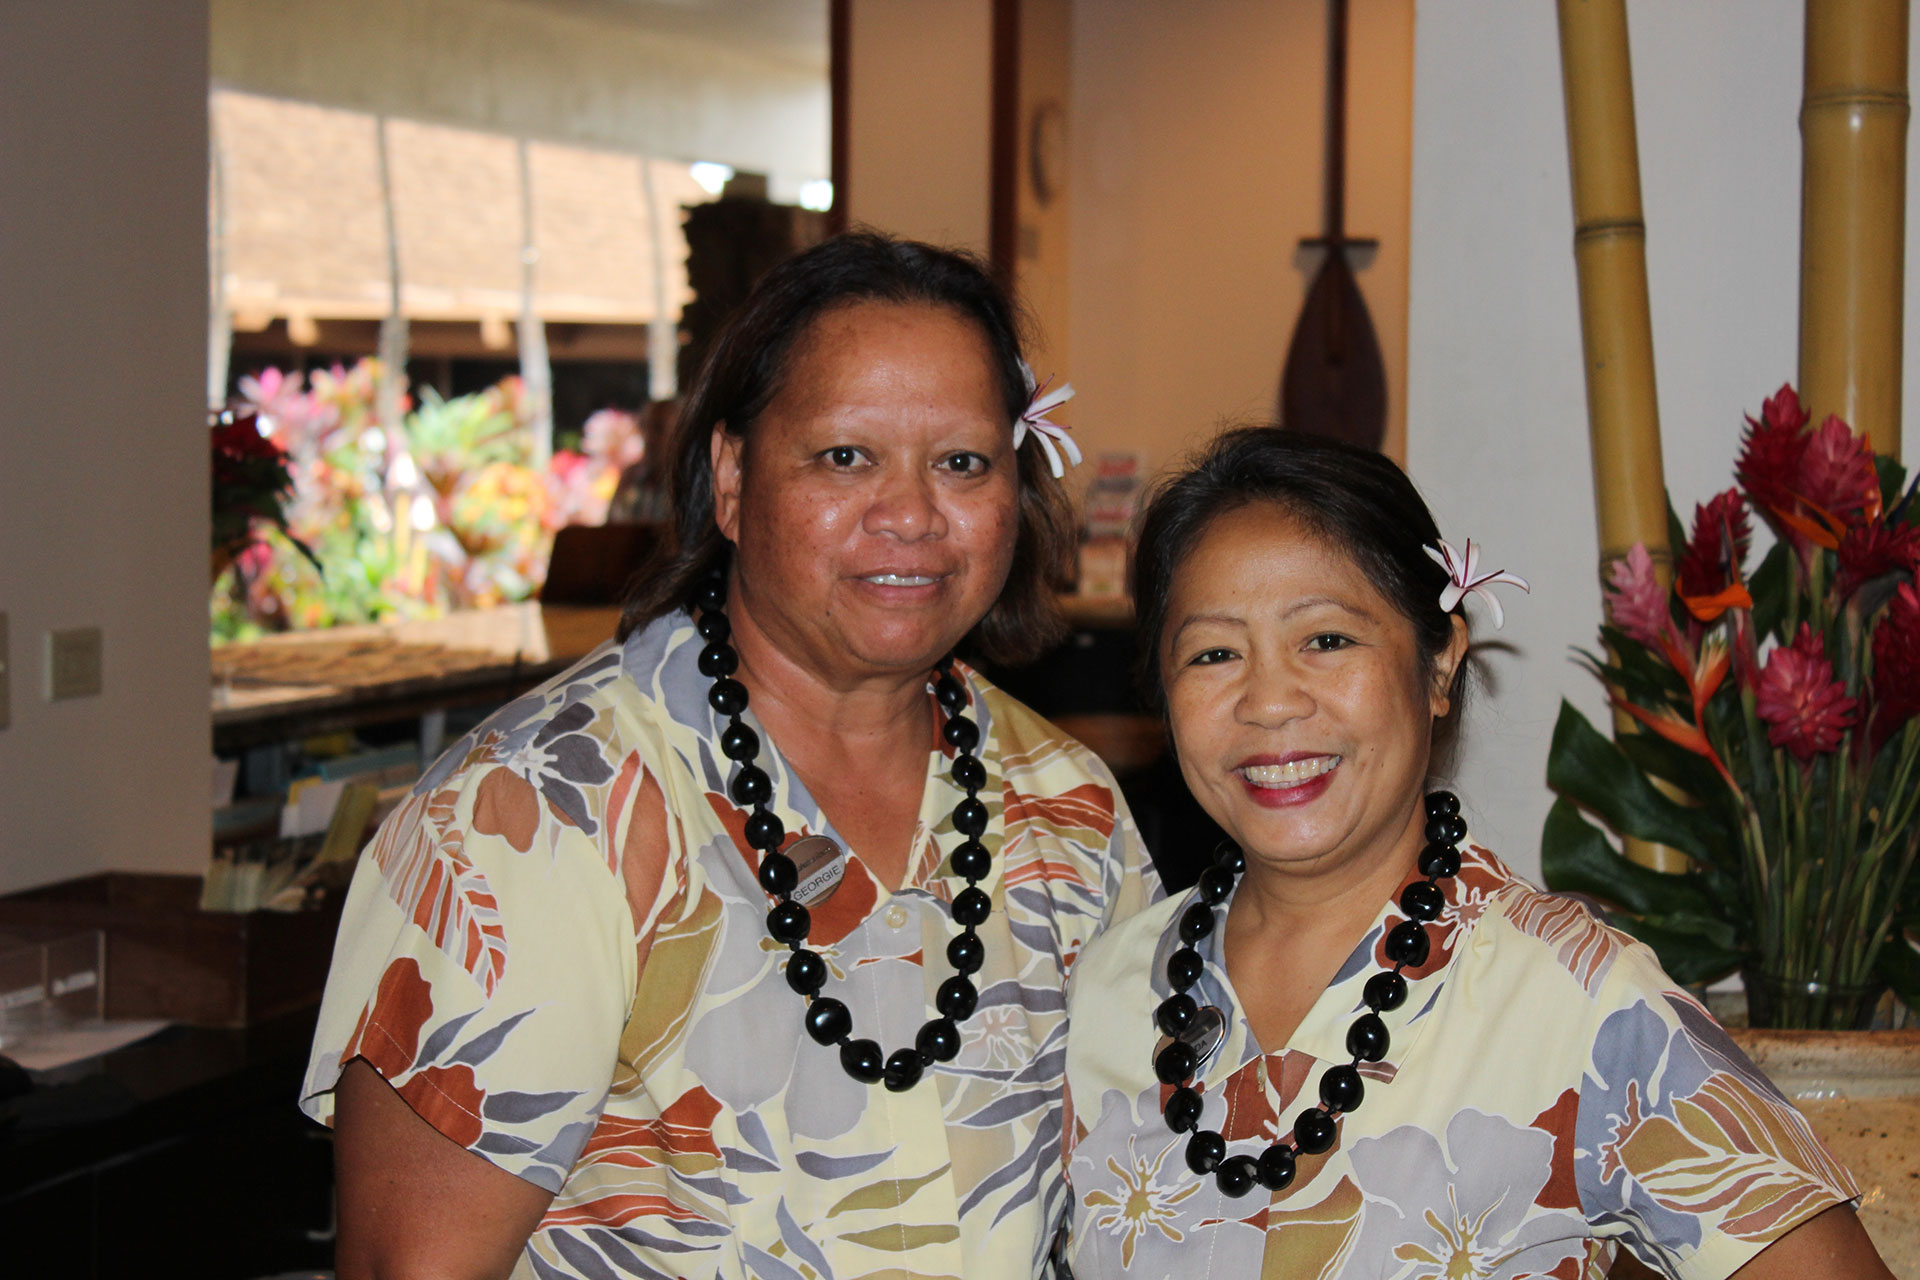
point(1354, 498)
point(744, 372)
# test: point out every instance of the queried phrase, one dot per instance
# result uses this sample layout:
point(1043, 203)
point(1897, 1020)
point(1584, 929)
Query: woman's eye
point(1328, 641)
point(1208, 657)
point(842, 455)
point(964, 464)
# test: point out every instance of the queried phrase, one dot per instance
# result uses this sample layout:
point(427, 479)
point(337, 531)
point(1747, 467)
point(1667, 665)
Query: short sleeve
point(1686, 1153)
point(485, 966)
point(1131, 881)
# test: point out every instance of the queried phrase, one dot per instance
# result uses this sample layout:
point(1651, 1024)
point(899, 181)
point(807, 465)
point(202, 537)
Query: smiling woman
point(739, 949)
point(1362, 1045)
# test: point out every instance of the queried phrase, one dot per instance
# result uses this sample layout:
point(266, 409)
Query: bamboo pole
point(1853, 205)
point(1616, 328)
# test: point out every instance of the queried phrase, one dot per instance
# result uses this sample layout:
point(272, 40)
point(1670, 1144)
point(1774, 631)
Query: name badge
point(820, 864)
point(1203, 1035)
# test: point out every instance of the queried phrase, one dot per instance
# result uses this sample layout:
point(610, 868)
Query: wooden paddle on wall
point(1335, 383)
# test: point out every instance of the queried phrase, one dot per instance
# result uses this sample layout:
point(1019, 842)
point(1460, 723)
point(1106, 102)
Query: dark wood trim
point(839, 73)
point(1003, 222)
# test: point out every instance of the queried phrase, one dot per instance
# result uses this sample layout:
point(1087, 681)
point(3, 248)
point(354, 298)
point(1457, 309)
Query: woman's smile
point(1277, 782)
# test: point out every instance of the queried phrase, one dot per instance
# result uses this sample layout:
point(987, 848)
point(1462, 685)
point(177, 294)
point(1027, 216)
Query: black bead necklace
point(1341, 1088)
point(827, 1019)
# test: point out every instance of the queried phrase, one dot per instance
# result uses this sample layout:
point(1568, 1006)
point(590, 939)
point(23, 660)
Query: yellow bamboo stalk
point(1616, 328)
point(1853, 208)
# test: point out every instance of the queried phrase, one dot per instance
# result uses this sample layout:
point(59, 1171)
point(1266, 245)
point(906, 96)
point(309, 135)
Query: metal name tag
point(1203, 1035)
point(820, 863)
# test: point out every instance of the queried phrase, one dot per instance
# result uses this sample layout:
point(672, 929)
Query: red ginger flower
point(1805, 709)
point(1635, 601)
point(1771, 451)
point(1708, 573)
point(238, 436)
point(1868, 551)
point(1896, 664)
point(1837, 471)
point(1783, 409)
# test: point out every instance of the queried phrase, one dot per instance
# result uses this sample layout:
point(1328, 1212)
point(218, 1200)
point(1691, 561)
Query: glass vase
point(1808, 1004)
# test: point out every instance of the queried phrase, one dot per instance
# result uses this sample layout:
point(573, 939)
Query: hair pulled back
point(749, 363)
point(1355, 499)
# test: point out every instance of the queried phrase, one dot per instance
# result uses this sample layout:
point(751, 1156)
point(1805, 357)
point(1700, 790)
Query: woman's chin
point(1297, 831)
point(899, 648)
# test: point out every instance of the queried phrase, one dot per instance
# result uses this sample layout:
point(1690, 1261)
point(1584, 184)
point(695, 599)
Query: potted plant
point(1776, 740)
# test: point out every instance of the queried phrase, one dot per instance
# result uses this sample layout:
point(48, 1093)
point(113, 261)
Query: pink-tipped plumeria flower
point(1464, 578)
point(1052, 436)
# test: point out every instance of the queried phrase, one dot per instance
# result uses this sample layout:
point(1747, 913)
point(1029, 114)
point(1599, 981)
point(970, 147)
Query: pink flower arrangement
point(1782, 701)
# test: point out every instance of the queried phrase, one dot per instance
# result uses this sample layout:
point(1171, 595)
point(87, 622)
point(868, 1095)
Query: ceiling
point(791, 30)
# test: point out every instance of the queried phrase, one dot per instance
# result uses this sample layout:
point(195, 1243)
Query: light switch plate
point(73, 663)
point(6, 676)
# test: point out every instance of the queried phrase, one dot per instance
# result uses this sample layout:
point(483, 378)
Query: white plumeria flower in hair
point(1464, 578)
point(1041, 402)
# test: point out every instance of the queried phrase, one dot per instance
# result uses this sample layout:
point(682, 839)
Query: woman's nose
point(1274, 694)
point(905, 506)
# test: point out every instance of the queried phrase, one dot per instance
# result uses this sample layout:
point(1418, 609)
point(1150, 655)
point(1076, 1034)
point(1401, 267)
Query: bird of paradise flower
point(1142, 1204)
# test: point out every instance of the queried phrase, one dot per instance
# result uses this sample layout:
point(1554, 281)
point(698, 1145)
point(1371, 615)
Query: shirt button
point(896, 916)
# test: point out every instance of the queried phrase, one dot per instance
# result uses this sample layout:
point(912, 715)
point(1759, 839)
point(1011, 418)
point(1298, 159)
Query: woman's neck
point(846, 714)
point(1290, 928)
point(1318, 907)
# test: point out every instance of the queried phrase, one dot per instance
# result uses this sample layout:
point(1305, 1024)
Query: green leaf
point(1898, 965)
point(1575, 856)
point(1635, 668)
point(1769, 586)
point(1590, 770)
point(1673, 763)
point(1688, 952)
point(1893, 480)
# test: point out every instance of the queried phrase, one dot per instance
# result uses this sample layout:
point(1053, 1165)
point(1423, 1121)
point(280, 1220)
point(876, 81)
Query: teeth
point(1291, 774)
point(898, 580)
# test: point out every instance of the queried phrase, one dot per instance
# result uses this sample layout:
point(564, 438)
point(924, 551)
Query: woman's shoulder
point(1568, 935)
point(1029, 742)
point(562, 760)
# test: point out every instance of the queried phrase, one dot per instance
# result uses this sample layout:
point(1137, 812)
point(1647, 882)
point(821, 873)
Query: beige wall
point(1043, 260)
point(1196, 169)
point(919, 111)
point(103, 455)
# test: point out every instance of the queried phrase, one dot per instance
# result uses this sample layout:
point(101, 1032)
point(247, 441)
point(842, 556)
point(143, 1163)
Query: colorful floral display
point(1780, 704)
point(448, 511)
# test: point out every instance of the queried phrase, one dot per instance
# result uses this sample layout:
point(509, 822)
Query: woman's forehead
point(1263, 560)
point(890, 358)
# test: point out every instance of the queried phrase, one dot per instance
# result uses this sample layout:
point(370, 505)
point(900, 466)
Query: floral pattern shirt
point(1548, 1095)
point(635, 1049)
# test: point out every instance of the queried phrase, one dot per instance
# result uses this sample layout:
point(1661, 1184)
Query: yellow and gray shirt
point(489, 968)
point(1548, 1095)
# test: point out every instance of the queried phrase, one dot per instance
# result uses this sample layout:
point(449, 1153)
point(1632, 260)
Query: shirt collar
point(1323, 1031)
point(663, 659)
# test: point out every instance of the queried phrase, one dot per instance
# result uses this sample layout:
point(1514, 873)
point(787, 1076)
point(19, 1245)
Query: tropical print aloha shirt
point(634, 1047)
point(1548, 1096)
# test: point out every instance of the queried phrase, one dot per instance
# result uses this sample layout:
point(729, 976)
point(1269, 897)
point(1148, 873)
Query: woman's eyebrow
point(1193, 619)
point(1312, 602)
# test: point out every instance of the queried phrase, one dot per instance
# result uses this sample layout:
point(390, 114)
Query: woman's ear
point(724, 451)
point(1445, 666)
